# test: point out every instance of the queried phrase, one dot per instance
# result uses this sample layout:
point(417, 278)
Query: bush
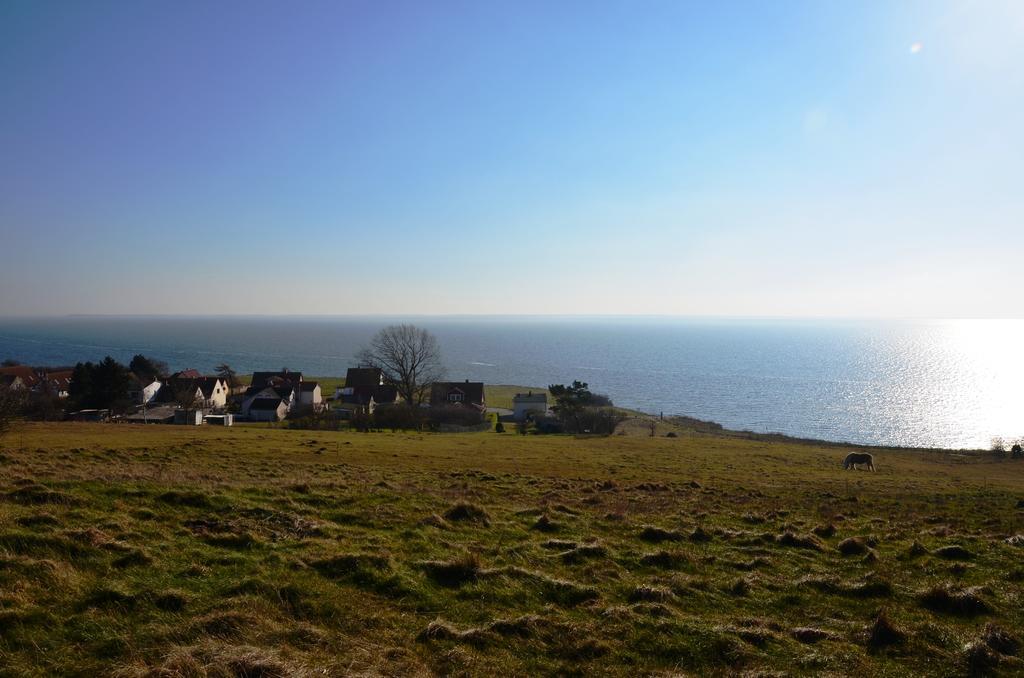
point(1017, 452)
point(396, 417)
point(454, 415)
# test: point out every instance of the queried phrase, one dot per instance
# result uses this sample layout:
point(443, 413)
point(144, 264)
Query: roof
point(530, 398)
point(10, 380)
point(362, 395)
point(363, 376)
point(208, 384)
point(186, 374)
point(309, 385)
point(472, 392)
point(265, 404)
point(28, 375)
point(264, 378)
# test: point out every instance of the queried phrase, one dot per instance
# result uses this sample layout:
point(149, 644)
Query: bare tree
point(410, 359)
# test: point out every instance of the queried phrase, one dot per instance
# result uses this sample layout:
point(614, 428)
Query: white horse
point(854, 459)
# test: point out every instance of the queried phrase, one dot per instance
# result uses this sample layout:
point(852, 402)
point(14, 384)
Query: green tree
point(147, 368)
point(225, 372)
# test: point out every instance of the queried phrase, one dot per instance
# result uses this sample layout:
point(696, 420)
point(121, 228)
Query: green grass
point(160, 550)
point(500, 395)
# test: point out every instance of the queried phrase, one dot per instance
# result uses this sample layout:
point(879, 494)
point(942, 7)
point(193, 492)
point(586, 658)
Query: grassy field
point(165, 551)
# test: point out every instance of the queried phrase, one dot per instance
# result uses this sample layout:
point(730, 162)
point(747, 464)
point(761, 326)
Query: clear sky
point(707, 158)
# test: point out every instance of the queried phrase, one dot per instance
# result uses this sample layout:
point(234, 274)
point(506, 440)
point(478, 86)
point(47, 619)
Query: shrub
point(453, 415)
point(396, 417)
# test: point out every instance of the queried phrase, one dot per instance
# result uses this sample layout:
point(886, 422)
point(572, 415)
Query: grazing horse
point(853, 459)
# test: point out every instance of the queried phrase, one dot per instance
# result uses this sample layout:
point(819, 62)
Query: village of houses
point(190, 398)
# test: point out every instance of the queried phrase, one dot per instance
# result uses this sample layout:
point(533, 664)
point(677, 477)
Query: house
point(58, 383)
point(286, 393)
point(310, 397)
point(186, 374)
point(19, 377)
point(143, 391)
point(210, 392)
point(525, 405)
point(262, 379)
point(365, 388)
point(12, 382)
point(458, 394)
point(267, 409)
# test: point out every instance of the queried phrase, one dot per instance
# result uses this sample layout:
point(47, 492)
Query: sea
point(919, 383)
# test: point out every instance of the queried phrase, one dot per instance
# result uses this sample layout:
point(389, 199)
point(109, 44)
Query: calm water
point(934, 383)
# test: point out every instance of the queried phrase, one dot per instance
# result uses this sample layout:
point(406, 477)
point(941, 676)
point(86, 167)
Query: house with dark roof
point(209, 392)
point(458, 394)
point(42, 380)
point(365, 389)
point(20, 377)
point(266, 408)
point(262, 379)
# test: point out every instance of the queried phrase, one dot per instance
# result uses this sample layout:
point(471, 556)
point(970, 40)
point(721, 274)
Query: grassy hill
point(160, 550)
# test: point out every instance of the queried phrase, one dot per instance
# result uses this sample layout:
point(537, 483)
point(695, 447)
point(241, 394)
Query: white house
point(285, 394)
point(267, 409)
point(525, 405)
point(309, 396)
point(143, 391)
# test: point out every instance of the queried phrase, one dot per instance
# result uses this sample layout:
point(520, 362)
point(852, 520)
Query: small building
point(458, 394)
point(526, 405)
point(90, 415)
point(188, 417)
point(220, 419)
point(160, 414)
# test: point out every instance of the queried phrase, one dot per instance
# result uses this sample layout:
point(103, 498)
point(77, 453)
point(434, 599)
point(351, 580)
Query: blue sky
point(749, 158)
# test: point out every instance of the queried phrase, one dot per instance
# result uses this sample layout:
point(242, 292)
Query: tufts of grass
point(455, 572)
point(883, 633)
point(953, 552)
point(39, 494)
point(951, 600)
point(666, 560)
point(465, 512)
point(656, 535)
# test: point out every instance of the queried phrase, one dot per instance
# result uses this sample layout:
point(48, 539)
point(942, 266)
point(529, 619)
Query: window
point(455, 397)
